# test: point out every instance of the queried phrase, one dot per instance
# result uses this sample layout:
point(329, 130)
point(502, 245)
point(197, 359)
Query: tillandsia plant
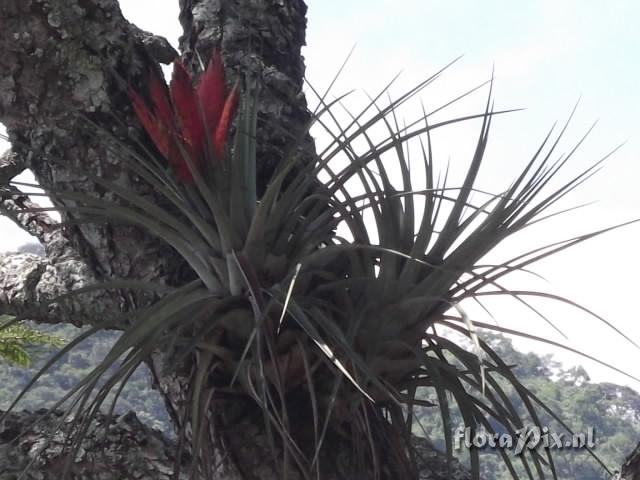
point(330, 338)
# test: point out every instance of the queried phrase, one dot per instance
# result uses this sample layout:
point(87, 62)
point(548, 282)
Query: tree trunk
point(66, 61)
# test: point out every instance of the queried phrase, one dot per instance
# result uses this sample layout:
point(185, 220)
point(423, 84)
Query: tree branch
point(17, 206)
point(29, 282)
point(132, 450)
point(10, 166)
point(64, 61)
point(158, 47)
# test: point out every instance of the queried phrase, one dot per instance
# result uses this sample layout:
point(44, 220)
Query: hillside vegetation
point(612, 410)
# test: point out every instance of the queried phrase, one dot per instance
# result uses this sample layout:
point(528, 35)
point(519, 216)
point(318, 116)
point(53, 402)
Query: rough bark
point(60, 64)
point(65, 61)
point(125, 449)
point(260, 41)
point(28, 281)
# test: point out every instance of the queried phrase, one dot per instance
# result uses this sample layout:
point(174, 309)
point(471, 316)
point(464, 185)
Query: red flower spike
point(210, 90)
point(159, 94)
point(178, 163)
point(150, 122)
point(176, 120)
point(222, 128)
point(187, 108)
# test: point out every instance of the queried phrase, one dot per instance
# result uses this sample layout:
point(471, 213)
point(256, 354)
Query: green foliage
point(70, 369)
point(326, 297)
point(613, 411)
point(618, 408)
point(15, 341)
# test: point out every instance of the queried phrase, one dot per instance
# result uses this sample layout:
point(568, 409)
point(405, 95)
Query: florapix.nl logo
point(527, 438)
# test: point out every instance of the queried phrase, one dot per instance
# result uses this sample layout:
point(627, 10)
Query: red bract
point(182, 114)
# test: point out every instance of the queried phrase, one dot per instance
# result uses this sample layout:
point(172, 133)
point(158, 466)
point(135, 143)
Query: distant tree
point(611, 410)
point(34, 248)
point(15, 341)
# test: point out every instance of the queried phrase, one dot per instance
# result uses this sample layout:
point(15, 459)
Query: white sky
point(546, 55)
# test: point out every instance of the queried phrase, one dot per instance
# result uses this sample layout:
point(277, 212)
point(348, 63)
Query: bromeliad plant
point(333, 337)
